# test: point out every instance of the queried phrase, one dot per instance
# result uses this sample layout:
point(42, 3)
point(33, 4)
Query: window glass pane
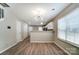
point(61, 29)
point(73, 26)
point(68, 27)
point(0, 13)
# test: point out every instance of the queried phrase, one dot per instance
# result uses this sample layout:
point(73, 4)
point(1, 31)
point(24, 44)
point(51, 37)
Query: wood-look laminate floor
point(27, 48)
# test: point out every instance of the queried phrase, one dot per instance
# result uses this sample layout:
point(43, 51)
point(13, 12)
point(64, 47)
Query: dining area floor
point(26, 48)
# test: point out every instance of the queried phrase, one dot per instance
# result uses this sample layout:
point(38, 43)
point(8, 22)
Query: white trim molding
point(7, 48)
point(63, 49)
point(41, 41)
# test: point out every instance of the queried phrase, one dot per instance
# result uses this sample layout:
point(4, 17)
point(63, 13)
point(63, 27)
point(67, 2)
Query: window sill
point(68, 42)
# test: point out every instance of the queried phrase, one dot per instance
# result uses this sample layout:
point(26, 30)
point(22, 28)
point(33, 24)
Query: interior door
point(18, 31)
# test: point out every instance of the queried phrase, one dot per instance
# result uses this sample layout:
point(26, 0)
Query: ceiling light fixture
point(38, 14)
point(41, 23)
point(39, 11)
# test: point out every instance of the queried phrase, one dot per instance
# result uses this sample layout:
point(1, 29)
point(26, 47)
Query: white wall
point(40, 28)
point(30, 28)
point(33, 28)
point(18, 31)
point(25, 30)
point(8, 36)
point(22, 30)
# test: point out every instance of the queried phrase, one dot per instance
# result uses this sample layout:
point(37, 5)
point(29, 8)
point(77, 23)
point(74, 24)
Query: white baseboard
point(10, 46)
point(62, 49)
point(7, 48)
point(41, 41)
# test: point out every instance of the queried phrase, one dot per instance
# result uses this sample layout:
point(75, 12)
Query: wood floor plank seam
point(27, 48)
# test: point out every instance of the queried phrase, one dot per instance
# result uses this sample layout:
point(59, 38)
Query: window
point(61, 29)
point(40, 29)
point(1, 14)
point(68, 27)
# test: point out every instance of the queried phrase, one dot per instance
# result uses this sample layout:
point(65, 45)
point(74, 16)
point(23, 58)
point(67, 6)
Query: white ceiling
point(24, 11)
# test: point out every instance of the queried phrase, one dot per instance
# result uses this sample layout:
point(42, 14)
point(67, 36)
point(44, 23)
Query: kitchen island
point(41, 36)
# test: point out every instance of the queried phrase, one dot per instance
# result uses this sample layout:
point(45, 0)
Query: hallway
point(27, 48)
point(52, 28)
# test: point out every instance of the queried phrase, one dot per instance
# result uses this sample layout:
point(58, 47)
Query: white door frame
point(18, 31)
